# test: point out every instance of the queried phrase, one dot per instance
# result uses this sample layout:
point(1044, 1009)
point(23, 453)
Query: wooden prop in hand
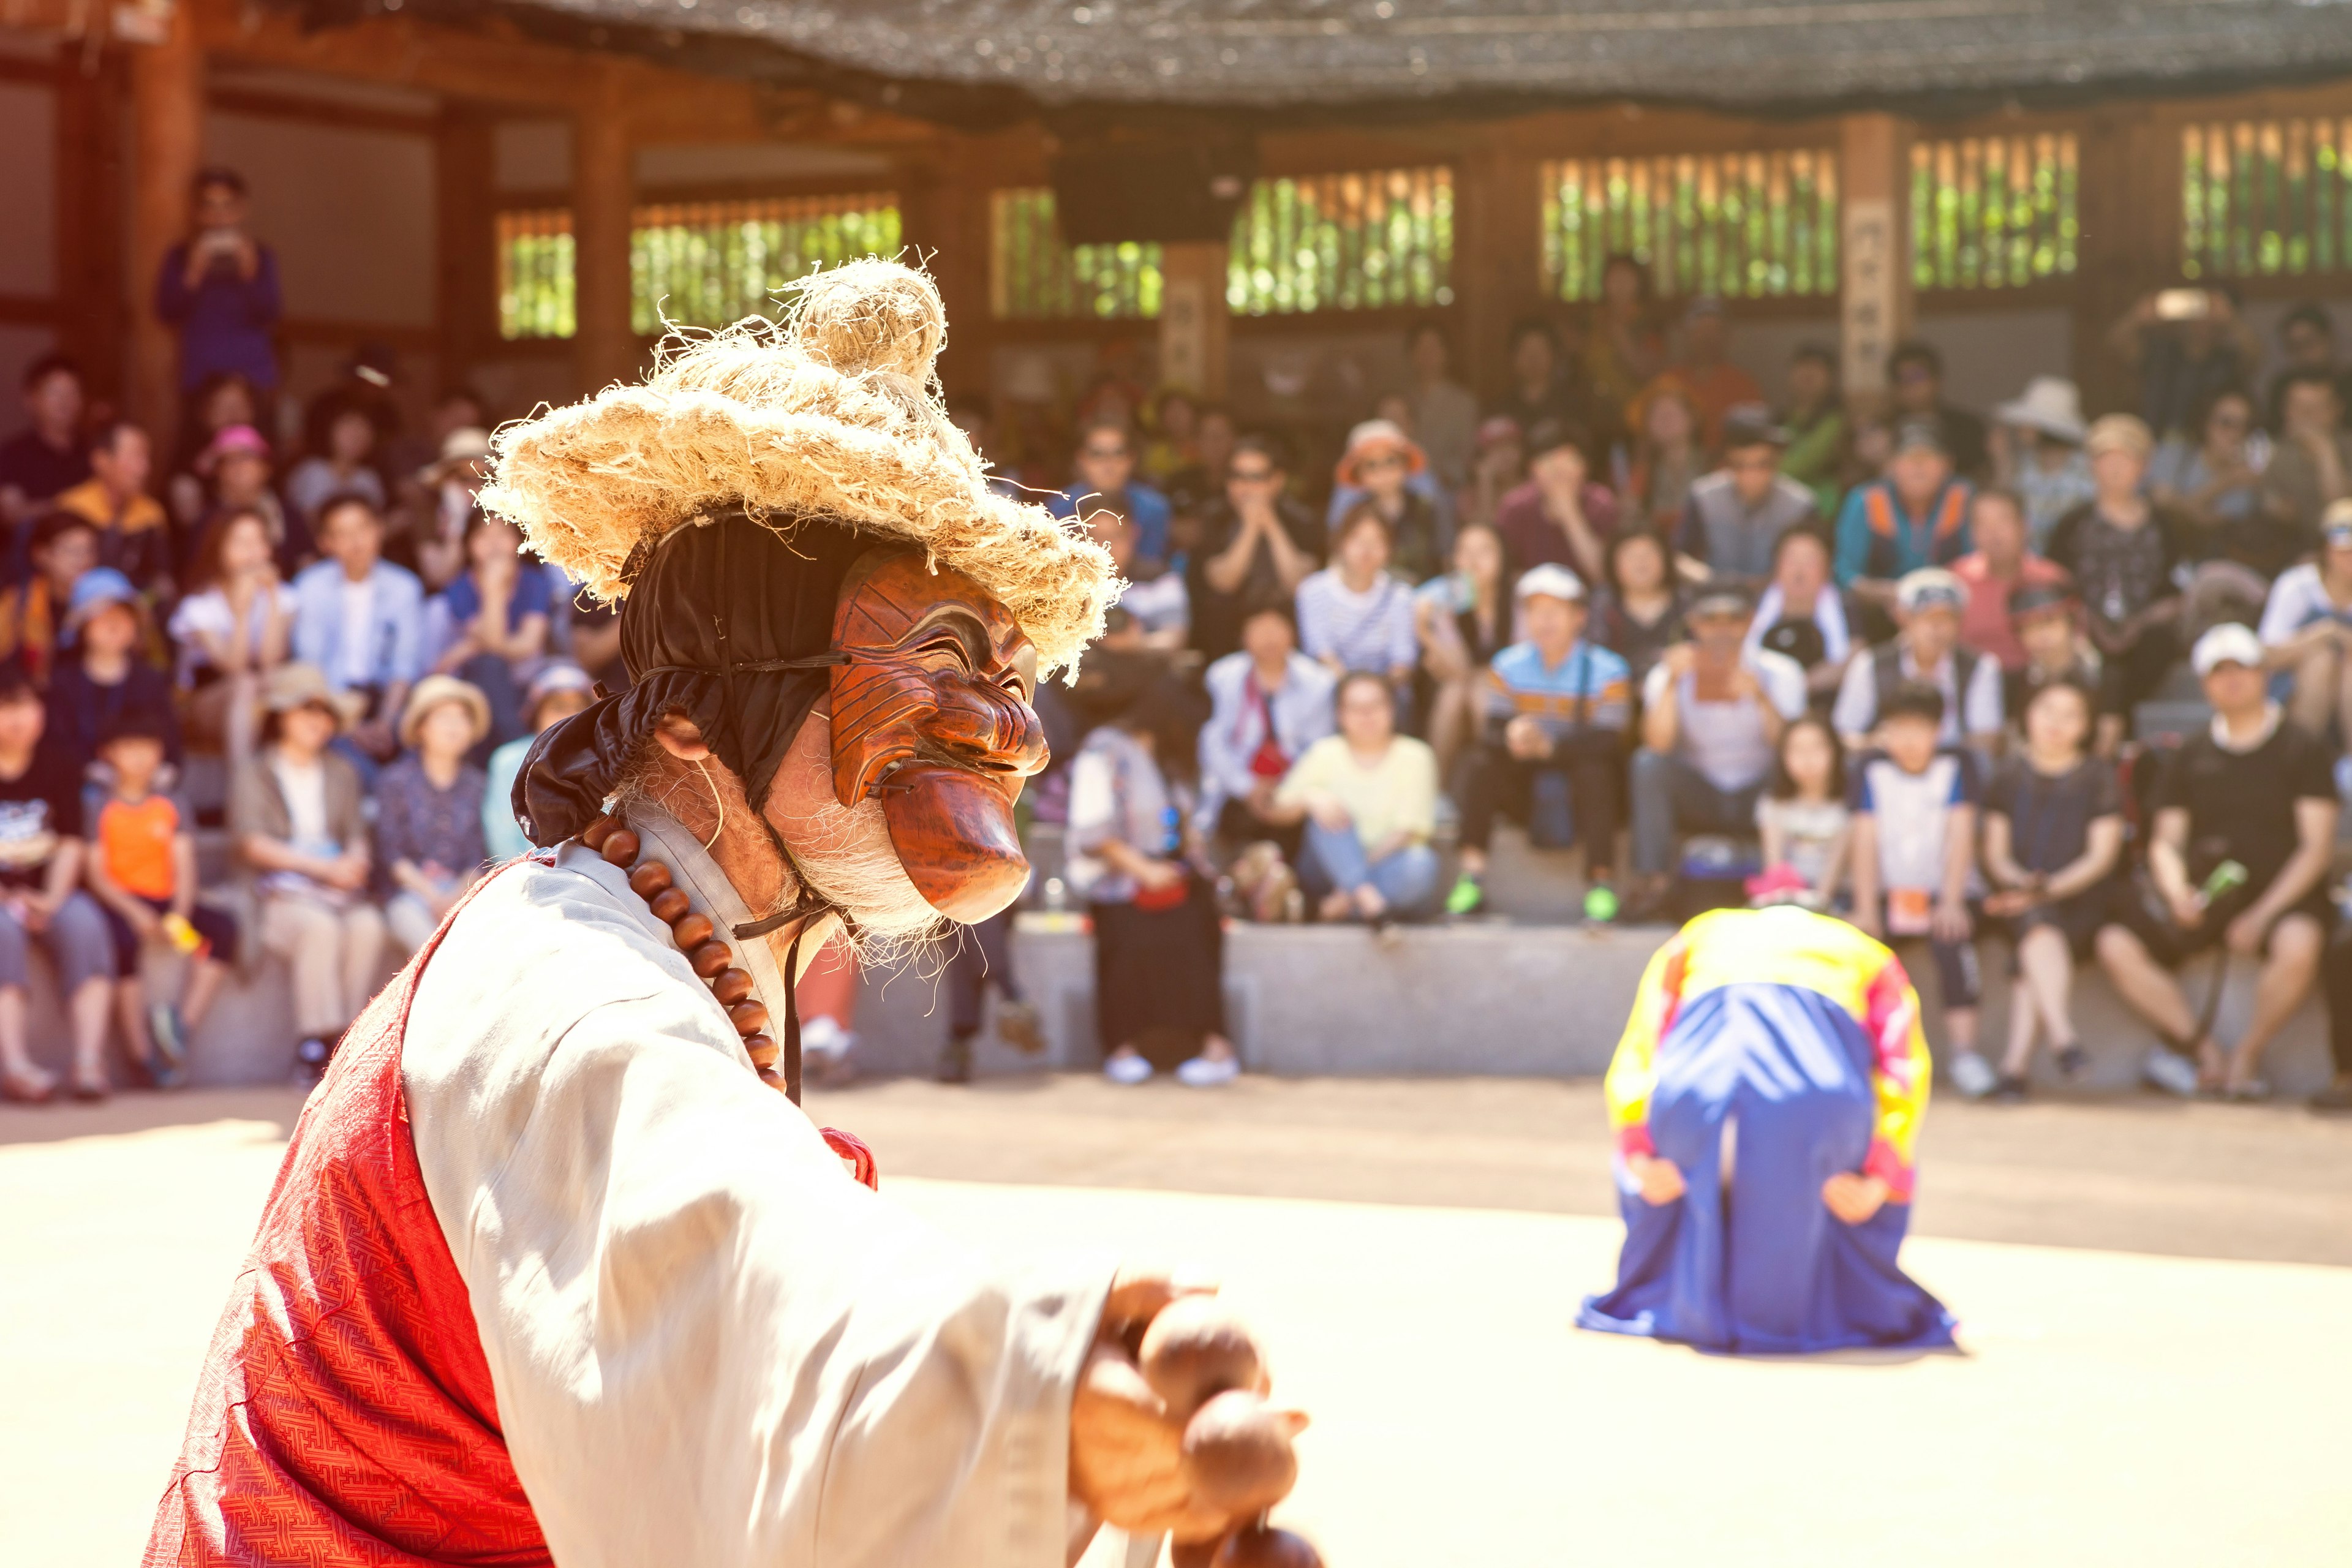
point(1170, 1431)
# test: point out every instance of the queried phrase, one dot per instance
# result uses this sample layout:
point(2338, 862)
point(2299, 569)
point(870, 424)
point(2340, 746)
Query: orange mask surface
point(931, 713)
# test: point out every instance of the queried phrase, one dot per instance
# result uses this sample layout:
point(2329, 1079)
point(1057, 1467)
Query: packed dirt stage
point(1050, 785)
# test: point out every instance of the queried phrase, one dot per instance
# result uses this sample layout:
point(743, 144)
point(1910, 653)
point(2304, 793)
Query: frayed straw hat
point(831, 414)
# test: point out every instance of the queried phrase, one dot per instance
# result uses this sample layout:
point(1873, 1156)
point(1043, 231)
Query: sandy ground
point(2174, 1394)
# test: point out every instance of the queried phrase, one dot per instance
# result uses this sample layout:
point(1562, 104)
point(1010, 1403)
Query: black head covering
point(725, 622)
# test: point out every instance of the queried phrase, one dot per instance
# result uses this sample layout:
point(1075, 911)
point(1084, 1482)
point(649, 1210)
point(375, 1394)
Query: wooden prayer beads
point(696, 937)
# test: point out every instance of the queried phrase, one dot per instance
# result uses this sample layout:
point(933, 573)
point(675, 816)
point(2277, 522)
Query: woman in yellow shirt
point(1369, 797)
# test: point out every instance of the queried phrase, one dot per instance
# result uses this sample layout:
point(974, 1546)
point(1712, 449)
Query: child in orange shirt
point(142, 870)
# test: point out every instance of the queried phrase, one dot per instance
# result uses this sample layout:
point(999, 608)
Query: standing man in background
point(219, 287)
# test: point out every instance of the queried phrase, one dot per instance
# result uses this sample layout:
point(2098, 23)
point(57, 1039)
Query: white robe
point(709, 1346)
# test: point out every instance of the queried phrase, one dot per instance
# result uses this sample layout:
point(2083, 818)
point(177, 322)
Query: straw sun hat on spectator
point(292, 686)
point(460, 449)
point(435, 691)
point(2052, 406)
point(1373, 437)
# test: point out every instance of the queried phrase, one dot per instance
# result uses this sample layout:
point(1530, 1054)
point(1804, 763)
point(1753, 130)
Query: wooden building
point(517, 192)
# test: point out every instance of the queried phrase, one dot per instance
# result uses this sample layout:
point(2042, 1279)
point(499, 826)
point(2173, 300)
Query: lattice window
point(1343, 242)
point(2266, 197)
point(1993, 212)
point(535, 274)
point(1033, 276)
point(1739, 225)
point(709, 264)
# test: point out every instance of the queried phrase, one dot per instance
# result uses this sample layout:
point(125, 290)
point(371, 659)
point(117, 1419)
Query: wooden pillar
point(167, 111)
point(603, 193)
point(943, 209)
point(2127, 204)
point(90, 287)
point(1193, 322)
point(1874, 249)
point(466, 303)
point(1497, 260)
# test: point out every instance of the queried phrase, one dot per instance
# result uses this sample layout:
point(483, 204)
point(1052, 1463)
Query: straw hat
point(292, 686)
point(831, 414)
point(468, 444)
point(2052, 406)
point(436, 691)
point(1375, 435)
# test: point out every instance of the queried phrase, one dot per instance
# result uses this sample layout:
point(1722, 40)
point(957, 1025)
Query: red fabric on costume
point(345, 1415)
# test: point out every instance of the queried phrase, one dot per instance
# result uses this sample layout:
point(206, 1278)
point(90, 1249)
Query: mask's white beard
point(845, 854)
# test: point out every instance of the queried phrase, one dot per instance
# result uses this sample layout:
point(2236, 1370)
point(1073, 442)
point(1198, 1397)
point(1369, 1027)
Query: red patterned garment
point(345, 1415)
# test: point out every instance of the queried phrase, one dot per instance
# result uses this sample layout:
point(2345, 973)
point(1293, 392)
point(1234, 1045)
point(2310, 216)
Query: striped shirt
point(1591, 689)
point(1370, 630)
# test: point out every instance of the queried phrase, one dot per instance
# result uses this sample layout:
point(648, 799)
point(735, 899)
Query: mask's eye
point(1022, 677)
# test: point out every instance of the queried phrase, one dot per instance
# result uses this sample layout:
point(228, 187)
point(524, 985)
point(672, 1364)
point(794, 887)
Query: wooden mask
point(931, 713)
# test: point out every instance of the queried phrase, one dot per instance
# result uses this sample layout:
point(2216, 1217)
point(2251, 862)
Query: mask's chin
point(953, 831)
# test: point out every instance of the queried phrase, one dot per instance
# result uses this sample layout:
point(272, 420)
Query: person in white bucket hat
point(2037, 451)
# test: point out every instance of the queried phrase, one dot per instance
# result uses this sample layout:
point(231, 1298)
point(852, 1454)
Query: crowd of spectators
point(1892, 660)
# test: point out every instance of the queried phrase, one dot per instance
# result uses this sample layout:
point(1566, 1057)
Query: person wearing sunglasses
point(1103, 476)
point(1258, 545)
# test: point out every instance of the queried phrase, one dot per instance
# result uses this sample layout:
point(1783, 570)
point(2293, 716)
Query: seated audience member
point(451, 489)
point(236, 472)
point(2310, 468)
point(1105, 477)
point(1999, 566)
point(359, 621)
point(133, 535)
point(1175, 424)
point(1499, 466)
point(1926, 648)
point(341, 464)
point(103, 674)
point(1624, 349)
point(1384, 468)
point(1737, 514)
point(2049, 626)
point(492, 622)
point(1268, 702)
point(1802, 614)
point(2306, 342)
point(1711, 716)
point(1560, 515)
point(2211, 483)
point(1554, 718)
point(2121, 552)
point(1159, 943)
point(2037, 455)
point(1669, 456)
point(428, 808)
point(1802, 817)
point(1639, 613)
point(1915, 839)
point(2053, 834)
point(2181, 361)
point(1463, 619)
point(2258, 792)
point(2306, 630)
point(41, 901)
point(1354, 615)
point(1541, 390)
point(1916, 516)
point(1195, 488)
point(1819, 439)
point(297, 816)
point(1444, 412)
point(1368, 797)
point(1705, 373)
point(1258, 545)
point(234, 626)
point(32, 614)
point(141, 868)
point(1154, 596)
point(224, 401)
point(49, 457)
point(557, 692)
point(1914, 375)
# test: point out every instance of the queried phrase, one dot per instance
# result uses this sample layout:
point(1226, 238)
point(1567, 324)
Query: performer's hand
point(1852, 1197)
point(1127, 1463)
point(1660, 1179)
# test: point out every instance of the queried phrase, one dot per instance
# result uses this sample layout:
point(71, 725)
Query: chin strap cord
point(792, 1019)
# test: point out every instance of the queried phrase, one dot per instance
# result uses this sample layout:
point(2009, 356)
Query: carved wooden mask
point(931, 713)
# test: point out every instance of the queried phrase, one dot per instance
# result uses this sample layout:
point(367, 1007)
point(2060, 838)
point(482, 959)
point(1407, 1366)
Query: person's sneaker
point(955, 1061)
point(2008, 1089)
point(2169, 1072)
point(1127, 1068)
point(2074, 1061)
point(2336, 1095)
point(1467, 897)
point(1018, 1026)
point(170, 1034)
point(1601, 904)
point(310, 1062)
point(1972, 1075)
point(1208, 1072)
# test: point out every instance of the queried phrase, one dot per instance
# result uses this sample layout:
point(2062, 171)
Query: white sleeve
point(2286, 610)
point(1784, 683)
point(709, 1346)
point(1981, 702)
point(1857, 699)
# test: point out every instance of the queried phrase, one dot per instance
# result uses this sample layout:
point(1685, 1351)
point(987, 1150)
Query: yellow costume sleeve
point(1633, 1070)
point(1900, 1077)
